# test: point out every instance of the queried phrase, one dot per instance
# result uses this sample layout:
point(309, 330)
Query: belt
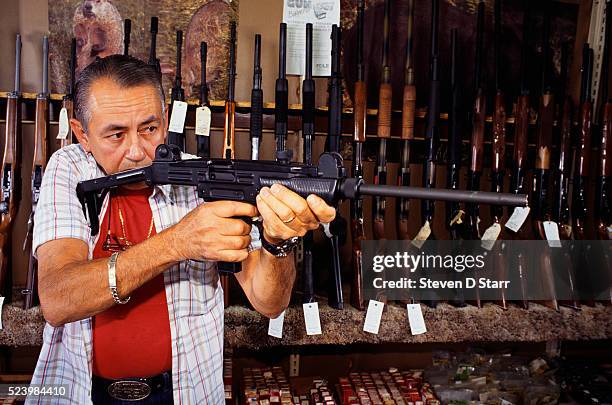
point(134, 388)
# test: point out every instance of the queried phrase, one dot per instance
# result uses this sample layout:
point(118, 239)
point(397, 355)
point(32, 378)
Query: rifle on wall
point(281, 96)
point(359, 137)
point(177, 94)
point(408, 112)
point(384, 128)
point(308, 133)
point(127, 32)
point(203, 113)
point(38, 167)
point(153, 60)
point(256, 124)
point(11, 175)
point(336, 230)
point(67, 112)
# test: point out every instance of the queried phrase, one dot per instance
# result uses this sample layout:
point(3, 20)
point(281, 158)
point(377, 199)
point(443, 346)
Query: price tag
point(551, 230)
point(422, 236)
point(177, 120)
point(518, 217)
point(373, 317)
point(1, 304)
point(202, 126)
point(275, 327)
point(64, 125)
point(415, 319)
point(458, 219)
point(609, 229)
point(490, 236)
point(311, 318)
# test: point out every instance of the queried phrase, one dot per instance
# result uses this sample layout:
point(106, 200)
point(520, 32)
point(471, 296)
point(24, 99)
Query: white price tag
point(422, 236)
point(490, 236)
point(64, 125)
point(518, 217)
point(177, 120)
point(275, 327)
point(311, 318)
point(552, 233)
point(1, 304)
point(415, 319)
point(203, 118)
point(373, 317)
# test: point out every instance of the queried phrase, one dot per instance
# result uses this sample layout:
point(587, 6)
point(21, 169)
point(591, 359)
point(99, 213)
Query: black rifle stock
point(177, 93)
point(281, 95)
point(127, 32)
point(256, 124)
point(153, 60)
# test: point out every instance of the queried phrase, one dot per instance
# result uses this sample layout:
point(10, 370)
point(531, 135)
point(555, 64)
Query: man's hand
point(210, 233)
point(285, 214)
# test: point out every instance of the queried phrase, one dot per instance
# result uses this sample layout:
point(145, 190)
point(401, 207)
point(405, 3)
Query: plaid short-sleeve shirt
point(194, 295)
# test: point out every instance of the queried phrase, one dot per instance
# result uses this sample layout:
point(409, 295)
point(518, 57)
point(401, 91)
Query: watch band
point(112, 279)
point(282, 249)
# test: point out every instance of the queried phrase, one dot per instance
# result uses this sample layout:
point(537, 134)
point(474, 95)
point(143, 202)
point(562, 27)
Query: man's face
point(125, 127)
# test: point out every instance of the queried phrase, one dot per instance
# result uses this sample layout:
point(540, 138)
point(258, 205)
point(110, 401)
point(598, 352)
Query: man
point(142, 299)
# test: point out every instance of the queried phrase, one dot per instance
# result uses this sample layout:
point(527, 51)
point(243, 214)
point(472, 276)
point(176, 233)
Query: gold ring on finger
point(289, 220)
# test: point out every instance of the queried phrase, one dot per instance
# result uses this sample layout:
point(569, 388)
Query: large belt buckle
point(129, 390)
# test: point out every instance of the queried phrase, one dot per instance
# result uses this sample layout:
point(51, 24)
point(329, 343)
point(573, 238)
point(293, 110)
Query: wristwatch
point(281, 249)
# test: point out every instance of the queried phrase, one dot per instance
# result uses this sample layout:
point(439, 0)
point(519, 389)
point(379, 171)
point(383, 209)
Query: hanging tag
point(275, 327)
point(203, 117)
point(373, 317)
point(64, 125)
point(518, 217)
point(177, 120)
point(458, 218)
point(609, 229)
point(415, 319)
point(552, 233)
point(1, 305)
point(490, 236)
point(311, 318)
point(422, 236)
point(327, 229)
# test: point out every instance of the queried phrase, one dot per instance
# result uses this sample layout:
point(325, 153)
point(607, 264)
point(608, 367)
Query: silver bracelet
point(112, 279)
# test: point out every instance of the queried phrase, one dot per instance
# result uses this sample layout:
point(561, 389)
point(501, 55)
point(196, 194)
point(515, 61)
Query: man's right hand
point(212, 232)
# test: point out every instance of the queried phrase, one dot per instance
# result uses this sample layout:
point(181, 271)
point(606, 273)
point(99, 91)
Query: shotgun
point(177, 94)
point(153, 60)
point(64, 135)
point(11, 175)
point(359, 137)
point(127, 32)
point(308, 133)
point(38, 167)
point(203, 114)
point(256, 124)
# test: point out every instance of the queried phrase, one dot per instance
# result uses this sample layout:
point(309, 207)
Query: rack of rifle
point(549, 185)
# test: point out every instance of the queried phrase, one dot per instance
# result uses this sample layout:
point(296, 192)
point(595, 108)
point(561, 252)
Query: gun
point(228, 143)
point(68, 103)
point(579, 198)
point(10, 182)
point(241, 180)
point(544, 138)
point(359, 137)
point(478, 124)
point(308, 133)
point(384, 129)
point(433, 115)
point(281, 95)
point(38, 167)
point(203, 113)
point(408, 111)
point(336, 231)
point(153, 60)
point(256, 101)
point(127, 31)
point(177, 93)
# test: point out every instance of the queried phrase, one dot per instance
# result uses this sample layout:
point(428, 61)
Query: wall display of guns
point(64, 135)
point(359, 137)
point(38, 167)
point(11, 175)
point(177, 94)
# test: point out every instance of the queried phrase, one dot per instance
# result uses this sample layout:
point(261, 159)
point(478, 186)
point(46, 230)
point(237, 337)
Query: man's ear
point(80, 134)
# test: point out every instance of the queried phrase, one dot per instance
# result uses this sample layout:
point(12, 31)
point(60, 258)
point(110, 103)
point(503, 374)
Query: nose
point(136, 152)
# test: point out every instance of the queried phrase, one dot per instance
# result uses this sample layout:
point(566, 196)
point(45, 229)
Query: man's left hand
point(285, 214)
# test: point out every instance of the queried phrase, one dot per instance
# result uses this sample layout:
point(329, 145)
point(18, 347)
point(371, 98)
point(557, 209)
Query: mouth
point(88, 13)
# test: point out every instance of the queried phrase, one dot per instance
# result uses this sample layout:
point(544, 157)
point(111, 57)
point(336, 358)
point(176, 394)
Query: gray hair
point(126, 71)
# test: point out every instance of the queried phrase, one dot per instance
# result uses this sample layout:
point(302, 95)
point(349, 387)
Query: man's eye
point(150, 129)
point(117, 135)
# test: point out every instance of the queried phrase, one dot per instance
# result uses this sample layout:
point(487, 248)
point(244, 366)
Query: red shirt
point(132, 340)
